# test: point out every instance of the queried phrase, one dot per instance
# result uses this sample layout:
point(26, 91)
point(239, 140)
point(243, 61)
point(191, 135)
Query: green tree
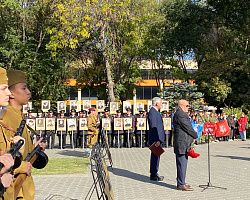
point(217, 90)
point(217, 34)
point(23, 41)
point(114, 34)
point(186, 91)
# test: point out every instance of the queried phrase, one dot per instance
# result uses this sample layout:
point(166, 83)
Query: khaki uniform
point(5, 141)
point(11, 120)
point(92, 129)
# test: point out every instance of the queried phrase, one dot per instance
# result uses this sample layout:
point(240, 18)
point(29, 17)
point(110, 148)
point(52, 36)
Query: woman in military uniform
point(5, 159)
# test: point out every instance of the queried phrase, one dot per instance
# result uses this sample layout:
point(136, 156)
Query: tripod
point(209, 184)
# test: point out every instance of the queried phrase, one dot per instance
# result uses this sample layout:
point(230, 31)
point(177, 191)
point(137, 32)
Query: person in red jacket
point(243, 122)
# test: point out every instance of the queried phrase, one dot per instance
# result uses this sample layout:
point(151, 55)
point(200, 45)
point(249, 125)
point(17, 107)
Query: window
point(146, 92)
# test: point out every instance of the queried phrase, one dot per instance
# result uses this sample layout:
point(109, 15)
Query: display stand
point(100, 174)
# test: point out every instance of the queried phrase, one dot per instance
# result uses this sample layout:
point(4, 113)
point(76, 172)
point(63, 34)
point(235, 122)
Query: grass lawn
point(63, 166)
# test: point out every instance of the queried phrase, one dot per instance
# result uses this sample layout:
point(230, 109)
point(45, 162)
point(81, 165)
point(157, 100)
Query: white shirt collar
point(155, 108)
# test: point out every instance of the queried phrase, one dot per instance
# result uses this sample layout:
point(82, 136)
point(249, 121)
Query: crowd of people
point(237, 125)
point(123, 129)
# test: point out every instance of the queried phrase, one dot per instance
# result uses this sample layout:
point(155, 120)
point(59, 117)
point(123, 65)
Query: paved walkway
point(230, 163)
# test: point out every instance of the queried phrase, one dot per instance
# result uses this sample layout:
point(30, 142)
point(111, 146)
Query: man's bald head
point(183, 104)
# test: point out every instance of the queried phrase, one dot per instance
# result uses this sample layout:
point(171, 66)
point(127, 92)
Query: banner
point(209, 128)
point(222, 129)
point(198, 129)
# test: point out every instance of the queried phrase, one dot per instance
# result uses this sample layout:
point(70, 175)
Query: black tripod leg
point(210, 186)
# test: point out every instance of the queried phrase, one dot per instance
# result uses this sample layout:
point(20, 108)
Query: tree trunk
point(111, 95)
point(110, 85)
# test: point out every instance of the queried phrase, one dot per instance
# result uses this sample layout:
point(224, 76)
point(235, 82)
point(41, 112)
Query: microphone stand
point(209, 184)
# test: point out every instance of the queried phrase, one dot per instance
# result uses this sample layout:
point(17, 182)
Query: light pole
point(134, 100)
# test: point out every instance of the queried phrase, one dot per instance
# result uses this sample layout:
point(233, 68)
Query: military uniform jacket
point(11, 120)
point(92, 125)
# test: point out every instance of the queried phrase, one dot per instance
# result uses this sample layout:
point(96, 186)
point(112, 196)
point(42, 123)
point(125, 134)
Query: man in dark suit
point(156, 134)
point(184, 135)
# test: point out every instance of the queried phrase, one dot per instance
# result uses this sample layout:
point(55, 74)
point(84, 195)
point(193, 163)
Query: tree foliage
point(114, 35)
point(23, 41)
point(217, 34)
point(183, 91)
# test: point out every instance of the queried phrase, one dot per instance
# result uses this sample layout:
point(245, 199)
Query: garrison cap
point(91, 109)
point(83, 111)
point(3, 76)
point(15, 77)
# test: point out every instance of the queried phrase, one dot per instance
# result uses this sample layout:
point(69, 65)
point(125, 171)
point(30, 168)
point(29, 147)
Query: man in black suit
point(156, 134)
point(184, 135)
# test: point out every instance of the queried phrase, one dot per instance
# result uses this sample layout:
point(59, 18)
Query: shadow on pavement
point(245, 147)
point(74, 153)
point(138, 177)
point(234, 157)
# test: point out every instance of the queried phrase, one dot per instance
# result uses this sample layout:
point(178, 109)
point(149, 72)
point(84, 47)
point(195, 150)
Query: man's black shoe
point(157, 178)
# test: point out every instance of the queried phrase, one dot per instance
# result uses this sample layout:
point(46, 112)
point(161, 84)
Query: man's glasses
point(187, 106)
